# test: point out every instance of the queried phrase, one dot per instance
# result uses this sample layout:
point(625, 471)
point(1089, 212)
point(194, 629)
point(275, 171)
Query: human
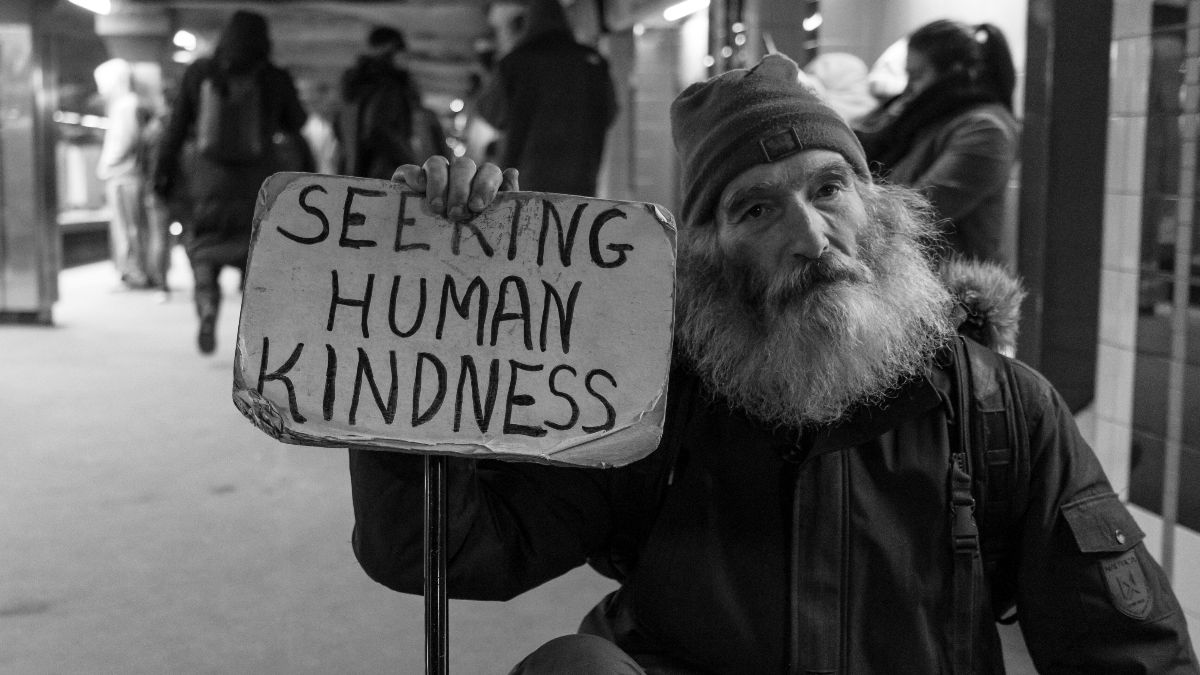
point(842, 80)
point(375, 122)
point(804, 511)
point(158, 216)
point(120, 168)
point(320, 101)
point(547, 92)
point(952, 135)
point(225, 174)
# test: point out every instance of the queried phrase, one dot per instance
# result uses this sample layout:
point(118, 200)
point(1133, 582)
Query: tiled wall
point(1129, 77)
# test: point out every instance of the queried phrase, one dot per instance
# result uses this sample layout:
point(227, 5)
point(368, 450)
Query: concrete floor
point(146, 527)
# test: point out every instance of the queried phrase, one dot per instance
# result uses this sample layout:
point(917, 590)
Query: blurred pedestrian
point(318, 98)
point(375, 124)
point(952, 135)
point(118, 167)
point(233, 104)
point(843, 82)
point(158, 216)
point(550, 97)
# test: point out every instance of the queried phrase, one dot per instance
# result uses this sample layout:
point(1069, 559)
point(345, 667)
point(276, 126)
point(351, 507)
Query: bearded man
point(805, 512)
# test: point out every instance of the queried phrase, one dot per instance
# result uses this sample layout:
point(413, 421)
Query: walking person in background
point(120, 169)
point(952, 136)
point(158, 217)
point(233, 103)
point(550, 97)
point(375, 124)
point(319, 100)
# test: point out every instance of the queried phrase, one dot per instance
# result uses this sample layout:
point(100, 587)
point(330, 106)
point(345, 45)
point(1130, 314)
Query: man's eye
point(756, 211)
point(830, 189)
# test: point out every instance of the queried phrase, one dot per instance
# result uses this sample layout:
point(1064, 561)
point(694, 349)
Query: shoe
point(207, 339)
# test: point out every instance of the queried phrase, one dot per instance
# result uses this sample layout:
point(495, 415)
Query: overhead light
point(184, 40)
point(97, 6)
point(812, 23)
point(685, 8)
point(457, 105)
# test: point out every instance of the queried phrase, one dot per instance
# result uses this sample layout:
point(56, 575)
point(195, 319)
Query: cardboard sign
point(540, 329)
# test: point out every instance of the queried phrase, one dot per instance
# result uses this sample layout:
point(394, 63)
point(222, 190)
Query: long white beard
point(806, 347)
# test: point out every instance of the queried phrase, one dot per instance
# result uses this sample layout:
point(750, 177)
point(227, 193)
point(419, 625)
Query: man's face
point(811, 293)
point(775, 220)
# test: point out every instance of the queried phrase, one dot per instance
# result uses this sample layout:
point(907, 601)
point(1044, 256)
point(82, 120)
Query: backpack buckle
point(963, 528)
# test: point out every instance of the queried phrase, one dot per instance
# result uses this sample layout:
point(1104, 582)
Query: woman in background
point(951, 134)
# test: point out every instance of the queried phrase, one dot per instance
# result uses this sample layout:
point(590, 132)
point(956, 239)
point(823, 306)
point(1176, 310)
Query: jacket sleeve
point(293, 116)
point(513, 525)
point(1090, 597)
point(492, 103)
point(179, 124)
point(975, 162)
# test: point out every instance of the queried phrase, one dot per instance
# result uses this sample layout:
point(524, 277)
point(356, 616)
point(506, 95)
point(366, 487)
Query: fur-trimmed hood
point(989, 302)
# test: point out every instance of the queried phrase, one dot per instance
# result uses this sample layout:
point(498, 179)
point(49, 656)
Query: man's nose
point(807, 231)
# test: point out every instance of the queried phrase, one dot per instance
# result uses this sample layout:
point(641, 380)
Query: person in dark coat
point(375, 123)
point(808, 509)
point(224, 181)
point(550, 97)
point(952, 135)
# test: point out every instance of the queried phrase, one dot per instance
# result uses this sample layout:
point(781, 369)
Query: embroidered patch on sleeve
point(1127, 585)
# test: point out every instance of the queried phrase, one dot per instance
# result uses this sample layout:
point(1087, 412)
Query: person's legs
point(208, 303)
point(124, 230)
point(578, 655)
point(158, 242)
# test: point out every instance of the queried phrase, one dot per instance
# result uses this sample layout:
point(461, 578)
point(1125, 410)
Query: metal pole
point(1175, 388)
point(436, 614)
point(1185, 223)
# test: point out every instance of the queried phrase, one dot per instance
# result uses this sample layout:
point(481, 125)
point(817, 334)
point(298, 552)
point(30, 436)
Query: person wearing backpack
point(551, 97)
point(378, 121)
point(844, 483)
point(233, 105)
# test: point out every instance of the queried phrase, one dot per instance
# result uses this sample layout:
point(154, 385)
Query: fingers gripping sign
point(456, 190)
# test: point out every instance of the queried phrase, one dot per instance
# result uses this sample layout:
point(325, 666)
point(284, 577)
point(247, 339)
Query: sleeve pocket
point(1101, 524)
point(1115, 570)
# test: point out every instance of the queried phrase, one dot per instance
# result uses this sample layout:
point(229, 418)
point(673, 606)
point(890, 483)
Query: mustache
point(831, 268)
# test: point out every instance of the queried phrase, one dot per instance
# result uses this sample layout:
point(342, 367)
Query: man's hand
point(456, 189)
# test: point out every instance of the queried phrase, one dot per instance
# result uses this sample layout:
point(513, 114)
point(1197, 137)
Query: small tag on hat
point(780, 145)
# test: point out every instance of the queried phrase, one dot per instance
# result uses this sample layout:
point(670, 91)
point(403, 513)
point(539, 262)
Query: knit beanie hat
point(743, 118)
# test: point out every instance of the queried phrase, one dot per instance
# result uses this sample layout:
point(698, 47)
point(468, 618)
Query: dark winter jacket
point(375, 123)
point(553, 100)
point(780, 550)
point(221, 195)
point(957, 147)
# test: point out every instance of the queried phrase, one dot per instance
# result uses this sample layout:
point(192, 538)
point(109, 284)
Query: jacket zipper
point(794, 666)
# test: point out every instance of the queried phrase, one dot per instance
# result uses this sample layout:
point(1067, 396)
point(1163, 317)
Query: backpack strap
point(1000, 453)
point(989, 477)
point(968, 569)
